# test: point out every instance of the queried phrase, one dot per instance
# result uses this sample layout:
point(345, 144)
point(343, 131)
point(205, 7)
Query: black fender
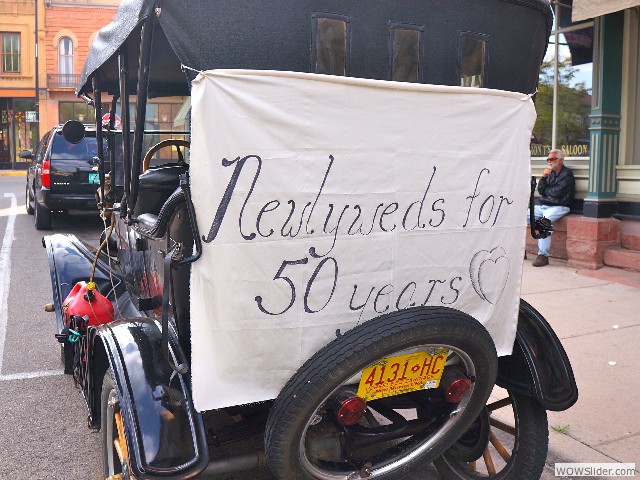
point(70, 261)
point(165, 435)
point(538, 366)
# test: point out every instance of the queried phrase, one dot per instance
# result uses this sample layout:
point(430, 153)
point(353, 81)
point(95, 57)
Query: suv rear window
point(63, 150)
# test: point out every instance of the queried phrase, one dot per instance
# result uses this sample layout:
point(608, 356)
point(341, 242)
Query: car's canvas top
point(277, 35)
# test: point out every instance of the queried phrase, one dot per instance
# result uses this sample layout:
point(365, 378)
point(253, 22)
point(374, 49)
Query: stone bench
point(590, 243)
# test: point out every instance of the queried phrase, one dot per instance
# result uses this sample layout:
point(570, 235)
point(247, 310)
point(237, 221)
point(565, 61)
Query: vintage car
point(333, 261)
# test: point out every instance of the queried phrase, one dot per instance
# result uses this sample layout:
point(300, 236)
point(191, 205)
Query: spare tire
point(397, 434)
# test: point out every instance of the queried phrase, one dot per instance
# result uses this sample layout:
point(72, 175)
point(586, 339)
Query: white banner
point(324, 202)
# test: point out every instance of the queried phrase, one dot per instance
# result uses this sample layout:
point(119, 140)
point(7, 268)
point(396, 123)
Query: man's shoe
point(540, 261)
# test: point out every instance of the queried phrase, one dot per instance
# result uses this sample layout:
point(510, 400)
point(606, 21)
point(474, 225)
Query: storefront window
point(6, 105)
point(573, 70)
point(162, 117)
point(170, 117)
point(76, 111)
point(18, 129)
point(635, 131)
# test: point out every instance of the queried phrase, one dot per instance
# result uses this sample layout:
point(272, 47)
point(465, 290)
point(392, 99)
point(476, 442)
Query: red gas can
point(83, 300)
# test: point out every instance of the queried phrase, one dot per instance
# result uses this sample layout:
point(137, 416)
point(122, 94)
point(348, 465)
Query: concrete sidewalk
point(596, 314)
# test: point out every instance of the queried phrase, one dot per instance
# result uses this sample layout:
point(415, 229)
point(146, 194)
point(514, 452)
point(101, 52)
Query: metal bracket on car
point(186, 188)
point(169, 261)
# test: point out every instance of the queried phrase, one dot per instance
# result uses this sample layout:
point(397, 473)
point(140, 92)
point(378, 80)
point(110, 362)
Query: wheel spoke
point(488, 461)
point(120, 442)
point(499, 404)
point(118, 447)
point(515, 444)
point(503, 426)
point(506, 456)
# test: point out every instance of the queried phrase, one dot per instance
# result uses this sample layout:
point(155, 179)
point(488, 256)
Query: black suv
point(62, 176)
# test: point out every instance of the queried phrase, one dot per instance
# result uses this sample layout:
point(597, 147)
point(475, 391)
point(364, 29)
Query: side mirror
point(26, 154)
point(73, 131)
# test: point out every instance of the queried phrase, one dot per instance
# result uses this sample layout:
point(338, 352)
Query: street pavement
point(596, 314)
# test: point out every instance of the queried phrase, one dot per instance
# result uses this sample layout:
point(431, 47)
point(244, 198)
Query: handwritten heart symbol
point(489, 272)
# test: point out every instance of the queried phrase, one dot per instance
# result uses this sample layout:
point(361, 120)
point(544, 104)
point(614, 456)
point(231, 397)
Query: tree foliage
point(574, 106)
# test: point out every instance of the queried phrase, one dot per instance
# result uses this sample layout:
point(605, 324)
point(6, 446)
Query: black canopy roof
point(277, 35)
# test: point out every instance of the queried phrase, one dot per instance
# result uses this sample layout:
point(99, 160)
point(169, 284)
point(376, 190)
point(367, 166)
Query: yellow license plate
point(402, 374)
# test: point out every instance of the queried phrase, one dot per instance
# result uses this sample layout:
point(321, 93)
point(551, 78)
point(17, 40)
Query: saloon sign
point(324, 202)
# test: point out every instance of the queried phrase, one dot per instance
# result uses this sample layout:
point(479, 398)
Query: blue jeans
point(553, 213)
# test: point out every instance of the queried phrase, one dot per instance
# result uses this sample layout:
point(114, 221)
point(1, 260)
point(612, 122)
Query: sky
point(583, 74)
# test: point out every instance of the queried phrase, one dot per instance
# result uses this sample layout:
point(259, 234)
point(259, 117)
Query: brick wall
point(82, 21)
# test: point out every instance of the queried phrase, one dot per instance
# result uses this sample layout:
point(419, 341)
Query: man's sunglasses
point(551, 159)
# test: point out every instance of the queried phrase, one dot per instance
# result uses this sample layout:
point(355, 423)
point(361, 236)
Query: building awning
point(579, 40)
point(583, 9)
point(17, 92)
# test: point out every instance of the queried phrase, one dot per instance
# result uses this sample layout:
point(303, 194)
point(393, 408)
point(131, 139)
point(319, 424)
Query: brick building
point(70, 26)
point(18, 118)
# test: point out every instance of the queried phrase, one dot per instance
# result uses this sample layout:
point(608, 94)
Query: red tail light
point(457, 389)
point(46, 173)
point(351, 411)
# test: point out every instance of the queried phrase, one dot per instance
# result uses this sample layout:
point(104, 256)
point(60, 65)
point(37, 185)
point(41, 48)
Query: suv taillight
point(46, 173)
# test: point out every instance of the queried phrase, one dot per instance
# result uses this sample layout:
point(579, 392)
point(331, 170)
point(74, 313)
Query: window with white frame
point(65, 61)
point(10, 52)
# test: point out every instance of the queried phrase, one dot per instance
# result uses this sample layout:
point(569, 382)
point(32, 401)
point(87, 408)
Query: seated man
point(556, 189)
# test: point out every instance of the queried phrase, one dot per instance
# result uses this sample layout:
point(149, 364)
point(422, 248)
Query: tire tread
point(529, 455)
point(382, 334)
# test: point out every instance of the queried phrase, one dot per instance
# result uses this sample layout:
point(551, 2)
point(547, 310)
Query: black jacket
point(557, 188)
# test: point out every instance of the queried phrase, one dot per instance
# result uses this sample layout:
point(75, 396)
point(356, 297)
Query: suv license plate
point(402, 374)
point(94, 178)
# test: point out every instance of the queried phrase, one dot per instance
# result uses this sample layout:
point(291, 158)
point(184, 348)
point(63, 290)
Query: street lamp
point(37, 102)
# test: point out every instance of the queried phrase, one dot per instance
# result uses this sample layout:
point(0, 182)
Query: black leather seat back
point(156, 186)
